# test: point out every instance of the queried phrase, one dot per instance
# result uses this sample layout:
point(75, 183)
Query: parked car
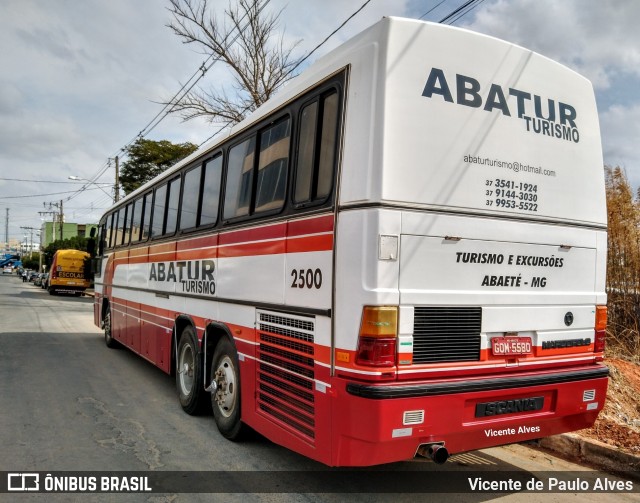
point(32, 276)
point(7, 270)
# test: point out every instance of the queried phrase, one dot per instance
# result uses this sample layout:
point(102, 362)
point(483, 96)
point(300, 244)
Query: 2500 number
point(306, 278)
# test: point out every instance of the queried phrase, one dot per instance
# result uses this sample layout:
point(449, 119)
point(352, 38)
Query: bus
point(401, 254)
point(67, 274)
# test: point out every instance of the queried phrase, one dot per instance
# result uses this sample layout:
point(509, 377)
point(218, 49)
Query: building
point(50, 231)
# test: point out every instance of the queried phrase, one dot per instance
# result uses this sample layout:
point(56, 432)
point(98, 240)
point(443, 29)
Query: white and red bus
point(402, 253)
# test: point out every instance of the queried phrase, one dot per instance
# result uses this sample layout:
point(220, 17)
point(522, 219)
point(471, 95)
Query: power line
point(329, 36)
point(163, 113)
point(301, 61)
point(40, 181)
point(460, 12)
point(46, 195)
point(201, 72)
point(432, 9)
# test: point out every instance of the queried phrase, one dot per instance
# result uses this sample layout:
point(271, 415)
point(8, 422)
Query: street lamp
point(77, 178)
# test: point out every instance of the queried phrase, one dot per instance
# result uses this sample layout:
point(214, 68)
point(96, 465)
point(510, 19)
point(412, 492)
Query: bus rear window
point(273, 163)
point(316, 149)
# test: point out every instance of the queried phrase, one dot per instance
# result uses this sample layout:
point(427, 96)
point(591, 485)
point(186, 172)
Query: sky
point(80, 80)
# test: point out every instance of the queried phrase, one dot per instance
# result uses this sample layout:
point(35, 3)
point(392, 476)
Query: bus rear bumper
point(382, 423)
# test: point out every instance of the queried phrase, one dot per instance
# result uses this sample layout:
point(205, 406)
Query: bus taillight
point(600, 329)
point(378, 337)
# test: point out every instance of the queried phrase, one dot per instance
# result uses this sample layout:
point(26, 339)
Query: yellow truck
point(67, 272)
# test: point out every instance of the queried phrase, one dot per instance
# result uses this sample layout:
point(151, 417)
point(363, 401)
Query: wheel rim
point(186, 364)
point(226, 389)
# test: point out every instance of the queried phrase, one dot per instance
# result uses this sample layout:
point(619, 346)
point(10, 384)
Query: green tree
point(148, 158)
point(31, 261)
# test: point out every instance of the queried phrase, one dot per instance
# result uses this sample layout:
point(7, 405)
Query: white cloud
point(621, 136)
point(593, 37)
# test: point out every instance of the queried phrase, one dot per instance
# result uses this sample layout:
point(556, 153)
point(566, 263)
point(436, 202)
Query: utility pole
point(60, 214)
point(61, 220)
point(117, 184)
point(53, 222)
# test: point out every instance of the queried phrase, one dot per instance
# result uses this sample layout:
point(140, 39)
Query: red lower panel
point(375, 431)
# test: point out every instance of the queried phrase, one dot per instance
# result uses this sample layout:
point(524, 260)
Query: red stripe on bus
point(310, 226)
point(310, 244)
point(254, 234)
point(252, 249)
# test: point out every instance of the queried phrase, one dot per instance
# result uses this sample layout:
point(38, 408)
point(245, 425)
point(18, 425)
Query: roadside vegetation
point(623, 266)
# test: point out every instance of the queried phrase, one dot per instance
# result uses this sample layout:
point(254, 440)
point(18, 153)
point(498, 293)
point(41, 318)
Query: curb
point(593, 453)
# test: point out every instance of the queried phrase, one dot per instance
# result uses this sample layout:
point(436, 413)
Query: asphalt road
point(68, 403)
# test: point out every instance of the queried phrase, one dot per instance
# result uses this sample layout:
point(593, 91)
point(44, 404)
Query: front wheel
point(225, 395)
point(189, 379)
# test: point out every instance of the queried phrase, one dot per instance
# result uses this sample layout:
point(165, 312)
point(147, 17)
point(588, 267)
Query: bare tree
point(244, 41)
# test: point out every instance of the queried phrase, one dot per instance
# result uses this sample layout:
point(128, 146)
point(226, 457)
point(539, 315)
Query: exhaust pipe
point(436, 452)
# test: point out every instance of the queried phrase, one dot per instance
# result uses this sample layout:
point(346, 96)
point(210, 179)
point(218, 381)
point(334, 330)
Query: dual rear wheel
point(222, 394)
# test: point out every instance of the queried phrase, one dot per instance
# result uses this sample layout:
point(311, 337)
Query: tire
point(189, 379)
point(225, 399)
point(108, 338)
point(52, 291)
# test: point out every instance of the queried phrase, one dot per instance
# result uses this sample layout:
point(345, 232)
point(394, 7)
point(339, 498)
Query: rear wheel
point(225, 396)
point(189, 380)
point(106, 325)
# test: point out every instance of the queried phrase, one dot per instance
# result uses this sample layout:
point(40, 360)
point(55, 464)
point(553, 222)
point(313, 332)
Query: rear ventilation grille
point(446, 334)
point(286, 371)
point(413, 417)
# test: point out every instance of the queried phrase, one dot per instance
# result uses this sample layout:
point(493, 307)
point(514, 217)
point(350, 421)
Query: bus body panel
point(468, 195)
point(457, 116)
point(376, 430)
point(484, 228)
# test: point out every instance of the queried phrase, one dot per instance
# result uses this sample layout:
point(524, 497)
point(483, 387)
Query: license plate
point(511, 346)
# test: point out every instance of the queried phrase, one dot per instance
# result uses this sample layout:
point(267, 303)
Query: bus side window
point(122, 216)
point(316, 150)
point(273, 164)
point(114, 230)
point(109, 234)
point(211, 191)
point(146, 216)
point(190, 198)
point(127, 225)
point(173, 201)
point(237, 198)
point(136, 222)
point(159, 205)
point(102, 230)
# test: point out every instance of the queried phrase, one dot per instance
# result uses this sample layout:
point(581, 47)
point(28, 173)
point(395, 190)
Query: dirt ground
point(619, 422)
